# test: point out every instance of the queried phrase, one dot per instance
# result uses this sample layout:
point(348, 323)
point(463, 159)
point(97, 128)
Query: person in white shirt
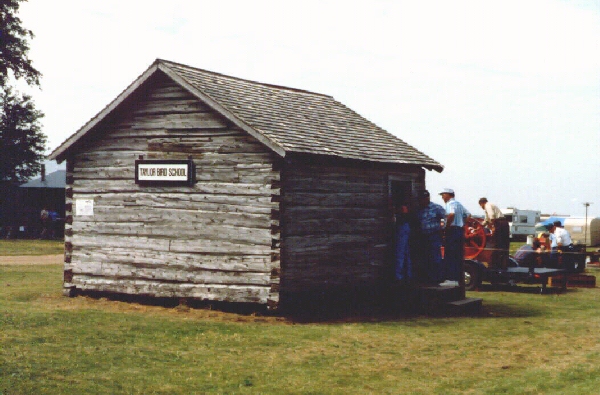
point(492, 212)
point(563, 238)
point(500, 240)
point(564, 245)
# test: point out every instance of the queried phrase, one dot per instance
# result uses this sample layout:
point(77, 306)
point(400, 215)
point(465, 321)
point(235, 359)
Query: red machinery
point(478, 262)
point(475, 238)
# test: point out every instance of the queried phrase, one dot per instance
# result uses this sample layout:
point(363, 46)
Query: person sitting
point(529, 255)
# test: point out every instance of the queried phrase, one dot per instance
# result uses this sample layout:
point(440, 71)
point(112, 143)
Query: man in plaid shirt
point(431, 216)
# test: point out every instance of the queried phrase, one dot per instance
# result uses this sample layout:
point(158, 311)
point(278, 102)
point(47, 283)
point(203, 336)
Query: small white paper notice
point(84, 207)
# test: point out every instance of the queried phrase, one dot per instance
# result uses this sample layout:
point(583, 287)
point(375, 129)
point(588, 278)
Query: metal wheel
point(475, 238)
point(472, 277)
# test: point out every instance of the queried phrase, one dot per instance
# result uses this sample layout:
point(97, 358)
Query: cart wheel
point(472, 277)
point(474, 238)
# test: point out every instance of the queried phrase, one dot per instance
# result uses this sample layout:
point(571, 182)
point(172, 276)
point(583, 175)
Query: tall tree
point(14, 46)
point(22, 142)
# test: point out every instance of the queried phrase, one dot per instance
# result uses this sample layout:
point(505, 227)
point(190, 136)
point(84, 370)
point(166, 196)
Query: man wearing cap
point(454, 252)
point(430, 216)
point(563, 238)
point(500, 240)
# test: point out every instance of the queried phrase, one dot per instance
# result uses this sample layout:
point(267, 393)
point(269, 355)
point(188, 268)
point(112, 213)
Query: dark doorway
point(401, 195)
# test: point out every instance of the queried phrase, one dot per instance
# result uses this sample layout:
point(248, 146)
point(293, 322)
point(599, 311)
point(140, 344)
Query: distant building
point(46, 191)
point(20, 206)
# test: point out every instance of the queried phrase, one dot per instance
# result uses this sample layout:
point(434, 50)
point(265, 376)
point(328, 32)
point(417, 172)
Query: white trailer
point(521, 222)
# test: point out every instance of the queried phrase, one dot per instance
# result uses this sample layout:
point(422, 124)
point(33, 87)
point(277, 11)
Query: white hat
point(447, 190)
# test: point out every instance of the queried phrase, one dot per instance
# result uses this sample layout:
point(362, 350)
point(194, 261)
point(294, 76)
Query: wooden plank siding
point(337, 224)
point(290, 185)
point(217, 240)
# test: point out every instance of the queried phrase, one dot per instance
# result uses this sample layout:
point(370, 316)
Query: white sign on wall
point(166, 172)
point(84, 207)
point(148, 172)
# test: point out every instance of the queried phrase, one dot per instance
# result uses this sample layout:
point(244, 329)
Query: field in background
point(521, 343)
point(30, 247)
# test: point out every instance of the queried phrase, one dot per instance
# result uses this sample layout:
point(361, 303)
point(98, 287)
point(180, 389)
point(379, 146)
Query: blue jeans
point(454, 252)
point(403, 262)
point(431, 257)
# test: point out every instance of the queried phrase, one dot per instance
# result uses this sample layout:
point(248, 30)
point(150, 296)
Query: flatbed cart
point(477, 271)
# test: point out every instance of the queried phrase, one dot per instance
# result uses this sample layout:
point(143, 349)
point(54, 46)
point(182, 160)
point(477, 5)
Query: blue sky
point(506, 95)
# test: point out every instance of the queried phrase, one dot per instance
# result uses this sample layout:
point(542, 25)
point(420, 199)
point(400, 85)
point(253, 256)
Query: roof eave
point(60, 152)
point(438, 168)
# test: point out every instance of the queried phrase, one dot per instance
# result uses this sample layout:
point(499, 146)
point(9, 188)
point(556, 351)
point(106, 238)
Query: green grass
point(31, 247)
point(522, 343)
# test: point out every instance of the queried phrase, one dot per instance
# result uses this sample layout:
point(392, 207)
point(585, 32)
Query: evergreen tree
point(22, 142)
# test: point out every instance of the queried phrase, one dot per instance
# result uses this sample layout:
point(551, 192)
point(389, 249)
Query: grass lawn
point(31, 247)
point(522, 343)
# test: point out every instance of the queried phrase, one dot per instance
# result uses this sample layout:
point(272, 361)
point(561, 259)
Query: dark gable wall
point(336, 221)
point(217, 240)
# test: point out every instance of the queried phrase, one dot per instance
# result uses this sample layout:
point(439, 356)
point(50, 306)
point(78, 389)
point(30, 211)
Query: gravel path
point(32, 260)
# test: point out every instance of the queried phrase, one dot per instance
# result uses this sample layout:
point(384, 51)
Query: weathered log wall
point(217, 240)
point(337, 224)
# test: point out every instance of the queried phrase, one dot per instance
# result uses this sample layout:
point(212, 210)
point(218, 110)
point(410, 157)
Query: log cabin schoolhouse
point(193, 184)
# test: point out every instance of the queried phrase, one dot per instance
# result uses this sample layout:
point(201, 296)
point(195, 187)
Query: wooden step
point(444, 294)
point(465, 306)
point(435, 299)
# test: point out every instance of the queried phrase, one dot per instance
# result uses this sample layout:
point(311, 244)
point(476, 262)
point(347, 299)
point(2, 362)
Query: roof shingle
point(291, 119)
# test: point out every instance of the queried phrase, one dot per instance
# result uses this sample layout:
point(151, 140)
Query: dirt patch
point(32, 260)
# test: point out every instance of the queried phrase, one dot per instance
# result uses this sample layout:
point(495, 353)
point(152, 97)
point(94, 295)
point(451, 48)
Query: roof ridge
point(282, 87)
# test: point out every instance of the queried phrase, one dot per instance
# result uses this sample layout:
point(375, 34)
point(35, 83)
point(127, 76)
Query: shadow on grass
point(391, 313)
point(182, 303)
point(504, 310)
point(525, 289)
point(333, 308)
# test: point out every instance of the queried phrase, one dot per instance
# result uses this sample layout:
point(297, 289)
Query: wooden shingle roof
point(286, 120)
